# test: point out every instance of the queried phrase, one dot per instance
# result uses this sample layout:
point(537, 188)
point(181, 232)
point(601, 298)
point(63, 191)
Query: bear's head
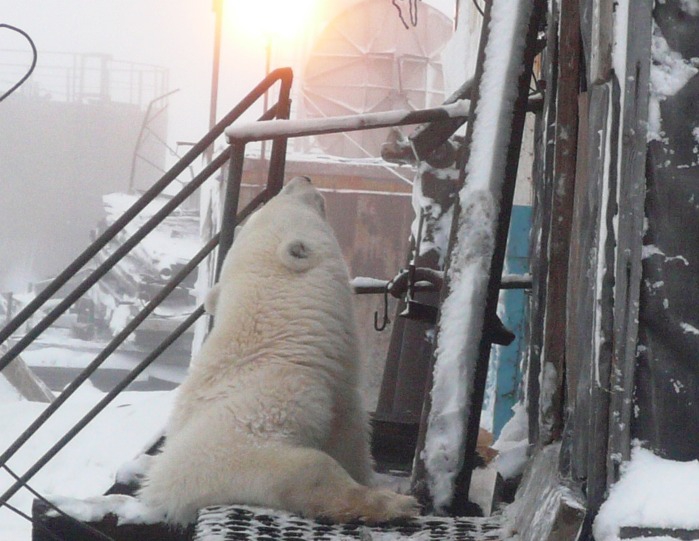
point(285, 239)
point(298, 250)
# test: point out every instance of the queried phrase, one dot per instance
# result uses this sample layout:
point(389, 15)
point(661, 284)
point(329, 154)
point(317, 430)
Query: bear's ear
point(297, 254)
point(211, 299)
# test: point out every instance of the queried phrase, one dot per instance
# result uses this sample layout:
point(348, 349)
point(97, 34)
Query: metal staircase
point(227, 158)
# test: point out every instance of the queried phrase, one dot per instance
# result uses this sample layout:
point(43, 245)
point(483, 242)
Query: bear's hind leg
point(313, 484)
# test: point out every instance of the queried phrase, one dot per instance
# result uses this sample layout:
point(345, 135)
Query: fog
point(177, 35)
point(174, 34)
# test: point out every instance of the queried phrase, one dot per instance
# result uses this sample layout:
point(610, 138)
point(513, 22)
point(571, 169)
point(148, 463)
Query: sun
point(269, 18)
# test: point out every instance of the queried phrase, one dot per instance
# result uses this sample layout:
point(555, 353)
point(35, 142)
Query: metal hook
point(386, 320)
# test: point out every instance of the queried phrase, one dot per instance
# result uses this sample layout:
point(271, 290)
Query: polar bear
point(270, 413)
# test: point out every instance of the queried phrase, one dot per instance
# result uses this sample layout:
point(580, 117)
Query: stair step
point(239, 523)
point(634, 533)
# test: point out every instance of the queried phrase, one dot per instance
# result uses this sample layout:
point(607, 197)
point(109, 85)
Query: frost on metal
point(669, 72)
point(257, 131)
point(462, 311)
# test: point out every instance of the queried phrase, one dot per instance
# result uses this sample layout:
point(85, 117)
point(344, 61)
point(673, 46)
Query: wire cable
point(34, 58)
point(412, 6)
point(36, 494)
point(22, 514)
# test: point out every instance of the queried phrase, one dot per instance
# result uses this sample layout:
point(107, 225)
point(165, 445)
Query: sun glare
point(269, 18)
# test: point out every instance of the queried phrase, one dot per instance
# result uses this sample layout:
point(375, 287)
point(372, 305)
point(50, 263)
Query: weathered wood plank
point(631, 199)
point(541, 221)
point(547, 508)
point(602, 37)
point(564, 165)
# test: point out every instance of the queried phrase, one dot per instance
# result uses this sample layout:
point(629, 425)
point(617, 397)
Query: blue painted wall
point(515, 318)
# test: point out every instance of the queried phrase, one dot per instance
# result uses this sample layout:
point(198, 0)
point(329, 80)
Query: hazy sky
point(175, 34)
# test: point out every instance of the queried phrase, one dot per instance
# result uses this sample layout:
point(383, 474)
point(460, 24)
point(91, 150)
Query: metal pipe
point(213, 104)
point(284, 75)
point(277, 158)
point(255, 131)
point(377, 286)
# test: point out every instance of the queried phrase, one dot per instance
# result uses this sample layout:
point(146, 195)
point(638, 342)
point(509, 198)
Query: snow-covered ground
point(87, 466)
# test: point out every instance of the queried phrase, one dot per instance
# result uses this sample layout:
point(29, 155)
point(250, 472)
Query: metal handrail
point(283, 74)
point(132, 375)
point(281, 108)
point(235, 153)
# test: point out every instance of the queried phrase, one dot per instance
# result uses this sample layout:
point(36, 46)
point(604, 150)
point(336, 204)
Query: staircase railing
point(279, 132)
point(231, 154)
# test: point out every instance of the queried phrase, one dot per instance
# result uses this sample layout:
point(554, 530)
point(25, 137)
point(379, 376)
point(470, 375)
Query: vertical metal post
point(277, 159)
point(229, 219)
point(218, 13)
point(265, 99)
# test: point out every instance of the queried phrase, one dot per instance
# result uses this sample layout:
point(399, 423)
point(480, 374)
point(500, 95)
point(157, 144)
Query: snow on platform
point(88, 465)
point(654, 495)
point(240, 523)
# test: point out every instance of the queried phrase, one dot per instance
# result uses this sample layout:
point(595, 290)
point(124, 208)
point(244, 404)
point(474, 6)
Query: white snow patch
point(127, 509)
point(620, 46)
point(86, 467)
point(669, 72)
point(459, 327)
point(652, 493)
point(649, 250)
point(133, 470)
point(689, 329)
point(690, 6)
point(513, 444)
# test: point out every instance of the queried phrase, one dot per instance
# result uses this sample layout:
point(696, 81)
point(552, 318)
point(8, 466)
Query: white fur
point(270, 413)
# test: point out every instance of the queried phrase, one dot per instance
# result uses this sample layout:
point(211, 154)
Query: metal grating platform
point(239, 523)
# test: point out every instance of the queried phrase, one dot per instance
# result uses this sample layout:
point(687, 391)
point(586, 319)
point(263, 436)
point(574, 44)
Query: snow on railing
point(258, 131)
point(469, 272)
